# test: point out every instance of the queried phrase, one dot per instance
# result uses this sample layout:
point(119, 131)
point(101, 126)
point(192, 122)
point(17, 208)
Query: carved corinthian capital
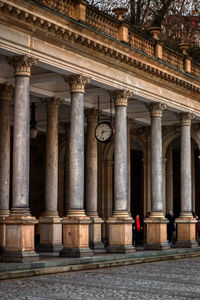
point(156, 109)
point(92, 115)
point(120, 97)
point(77, 82)
point(185, 118)
point(6, 92)
point(22, 64)
point(52, 104)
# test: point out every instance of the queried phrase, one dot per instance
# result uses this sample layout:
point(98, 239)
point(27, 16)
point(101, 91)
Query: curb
point(94, 265)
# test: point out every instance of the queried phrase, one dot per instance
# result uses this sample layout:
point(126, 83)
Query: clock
point(104, 132)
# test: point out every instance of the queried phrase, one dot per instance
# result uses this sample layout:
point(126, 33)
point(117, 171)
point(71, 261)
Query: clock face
point(103, 132)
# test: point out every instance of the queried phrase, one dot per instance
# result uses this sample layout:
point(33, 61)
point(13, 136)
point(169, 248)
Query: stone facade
point(89, 192)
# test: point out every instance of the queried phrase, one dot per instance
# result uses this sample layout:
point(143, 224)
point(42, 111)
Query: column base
point(76, 252)
point(76, 235)
point(50, 234)
point(121, 249)
point(2, 232)
point(95, 240)
point(156, 229)
point(120, 233)
point(19, 256)
point(19, 241)
point(186, 232)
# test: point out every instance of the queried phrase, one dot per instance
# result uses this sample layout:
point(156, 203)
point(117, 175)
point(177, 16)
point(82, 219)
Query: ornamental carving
point(65, 7)
point(120, 97)
point(22, 64)
point(156, 109)
point(52, 104)
point(77, 82)
point(6, 92)
point(185, 118)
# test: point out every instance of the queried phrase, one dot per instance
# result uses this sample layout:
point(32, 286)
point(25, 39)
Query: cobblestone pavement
point(177, 279)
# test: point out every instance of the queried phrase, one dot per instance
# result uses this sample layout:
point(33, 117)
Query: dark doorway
point(137, 183)
point(176, 182)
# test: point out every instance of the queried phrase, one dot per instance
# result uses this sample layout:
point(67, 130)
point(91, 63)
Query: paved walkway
point(159, 280)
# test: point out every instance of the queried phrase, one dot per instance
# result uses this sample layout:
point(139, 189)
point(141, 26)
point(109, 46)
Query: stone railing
point(195, 69)
point(173, 58)
point(141, 43)
point(80, 10)
point(66, 7)
point(102, 23)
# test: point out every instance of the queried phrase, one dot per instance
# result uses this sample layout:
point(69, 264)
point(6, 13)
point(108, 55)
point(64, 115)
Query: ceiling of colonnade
point(46, 83)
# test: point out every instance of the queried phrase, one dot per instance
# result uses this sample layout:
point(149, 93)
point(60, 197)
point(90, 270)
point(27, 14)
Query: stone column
point(193, 178)
point(20, 224)
point(156, 223)
point(50, 224)
point(120, 224)
point(6, 92)
point(91, 182)
point(76, 223)
point(169, 206)
point(66, 176)
point(186, 234)
point(129, 122)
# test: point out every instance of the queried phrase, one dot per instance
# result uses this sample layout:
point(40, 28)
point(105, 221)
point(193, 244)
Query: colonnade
point(80, 229)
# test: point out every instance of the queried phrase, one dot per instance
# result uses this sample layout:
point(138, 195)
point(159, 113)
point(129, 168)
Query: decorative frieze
point(156, 109)
point(185, 118)
point(120, 97)
point(6, 92)
point(68, 35)
point(22, 64)
point(77, 82)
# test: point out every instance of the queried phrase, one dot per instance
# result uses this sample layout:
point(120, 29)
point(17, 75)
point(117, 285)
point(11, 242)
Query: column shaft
point(186, 174)
point(5, 97)
point(91, 165)
point(51, 196)
point(76, 155)
point(170, 179)
point(156, 157)
point(120, 160)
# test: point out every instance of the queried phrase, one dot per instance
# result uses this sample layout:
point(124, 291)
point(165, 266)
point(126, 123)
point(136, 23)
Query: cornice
point(67, 34)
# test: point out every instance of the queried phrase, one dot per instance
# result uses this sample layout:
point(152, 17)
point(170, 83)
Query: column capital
point(6, 92)
point(77, 82)
point(185, 118)
point(120, 97)
point(156, 108)
point(52, 104)
point(130, 121)
point(92, 115)
point(22, 64)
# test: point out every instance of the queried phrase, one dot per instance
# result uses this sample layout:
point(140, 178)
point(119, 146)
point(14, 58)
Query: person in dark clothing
point(171, 229)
